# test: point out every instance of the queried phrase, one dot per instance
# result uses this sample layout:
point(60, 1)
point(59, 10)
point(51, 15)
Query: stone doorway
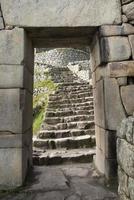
point(110, 37)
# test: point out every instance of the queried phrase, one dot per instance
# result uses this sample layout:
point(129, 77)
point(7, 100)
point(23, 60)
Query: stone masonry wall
point(125, 156)
point(77, 61)
point(112, 62)
point(60, 57)
point(16, 82)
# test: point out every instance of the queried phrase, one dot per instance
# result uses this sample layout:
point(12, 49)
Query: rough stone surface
point(99, 104)
point(89, 187)
point(131, 40)
point(13, 174)
point(15, 76)
point(127, 95)
point(116, 30)
point(56, 13)
point(128, 10)
point(13, 110)
point(121, 69)
point(14, 48)
point(115, 49)
point(125, 156)
point(114, 111)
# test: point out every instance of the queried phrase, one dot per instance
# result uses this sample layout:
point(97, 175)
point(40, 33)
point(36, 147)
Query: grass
point(41, 101)
point(38, 121)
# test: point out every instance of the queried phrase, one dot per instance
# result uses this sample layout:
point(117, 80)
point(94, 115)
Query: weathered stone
point(131, 187)
point(50, 196)
point(125, 156)
point(55, 13)
point(50, 179)
point(74, 197)
point(128, 10)
point(131, 40)
point(115, 49)
point(121, 133)
point(99, 104)
point(122, 81)
point(13, 174)
point(99, 160)
point(1, 23)
point(90, 191)
point(116, 30)
point(95, 56)
point(127, 95)
point(121, 69)
point(16, 108)
point(114, 111)
point(12, 45)
point(126, 1)
point(124, 19)
point(15, 76)
point(8, 140)
point(123, 182)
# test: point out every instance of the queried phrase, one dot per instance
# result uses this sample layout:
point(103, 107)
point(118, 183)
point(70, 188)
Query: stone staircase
point(68, 131)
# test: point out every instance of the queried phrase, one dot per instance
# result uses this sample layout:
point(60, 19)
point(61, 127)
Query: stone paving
point(66, 182)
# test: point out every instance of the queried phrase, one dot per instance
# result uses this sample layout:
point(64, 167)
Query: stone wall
point(77, 62)
point(112, 62)
point(60, 57)
point(125, 156)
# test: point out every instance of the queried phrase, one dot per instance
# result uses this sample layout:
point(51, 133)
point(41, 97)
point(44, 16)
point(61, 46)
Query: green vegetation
point(40, 101)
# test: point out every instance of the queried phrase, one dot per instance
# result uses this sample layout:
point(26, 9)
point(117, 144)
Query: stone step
point(68, 113)
point(70, 96)
point(71, 101)
point(75, 118)
point(66, 109)
point(73, 105)
point(72, 89)
point(70, 92)
point(85, 141)
point(69, 125)
point(74, 84)
point(49, 134)
point(56, 157)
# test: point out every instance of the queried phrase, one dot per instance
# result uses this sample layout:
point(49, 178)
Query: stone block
point(13, 165)
point(100, 161)
point(1, 23)
point(95, 56)
point(123, 182)
point(12, 45)
point(125, 156)
point(131, 187)
point(116, 30)
point(120, 69)
point(124, 19)
point(99, 104)
point(126, 1)
point(98, 137)
point(127, 95)
point(114, 111)
point(122, 81)
point(15, 76)
point(57, 13)
point(8, 140)
point(131, 40)
point(17, 47)
point(115, 49)
point(128, 10)
point(16, 110)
